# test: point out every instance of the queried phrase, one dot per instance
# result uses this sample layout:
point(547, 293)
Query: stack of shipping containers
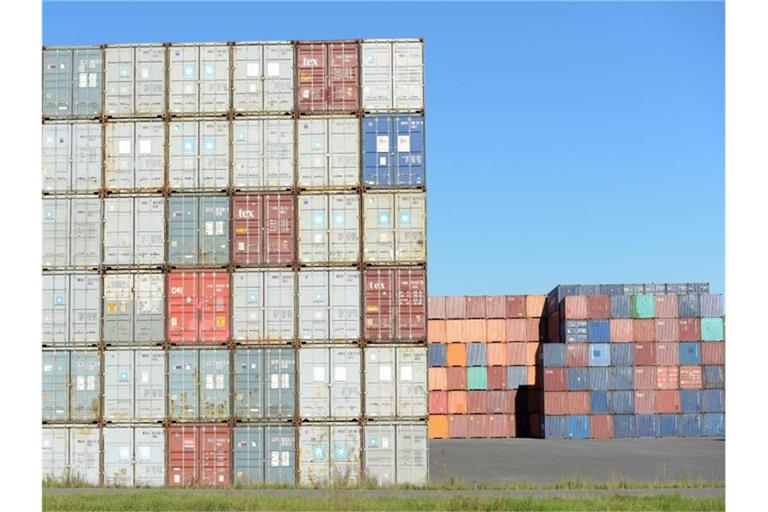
point(631, 361)
point(234, 260)
point(482, 366)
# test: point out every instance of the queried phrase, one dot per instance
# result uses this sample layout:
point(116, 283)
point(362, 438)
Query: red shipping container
point(553, 328)
point(516, 330)
point(601, 426)
point(645, 377)
point(599, 306)
point(645, 354)
point(438, 402)
point(666, 306)
point(477, 402)
point(533, 354)
point(644, 330)
point(454, 331)
point(690, 377)
point(496, 306)
point(667, 354)
point(436, 308)
point(645, 402)
point(395, 304)
point(577, 354)
point(476, 306)
point(263, 229)
point(555, 403)
point(576, 307)
point(668, 401)
point(457, 378)
point(667, 377)
point(199, 455)
point(438, 379)
point(713, 352)
point(689, 329)
point(517, 354)
point(456, 307)
point(515, 306)
point(499, 402)
point(500, 426)
point(477, 426)
point(497, 377)
point(457, 426)
point(457, 402)
point(533, 329)
point(328, 77)
point(475, 331)
point(667, 329)
point(436, 331)
point(198, 306)
point(437, 426)
point(496, 354)
point(496, 330)
point(622, 330)
point(555, 379)
point(578, 402)
point(534, 305)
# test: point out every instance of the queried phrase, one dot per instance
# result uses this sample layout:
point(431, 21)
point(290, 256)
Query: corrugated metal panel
point(392, 75)
point(198, 155)
point(85, 454)
point(328, 77)
point(263, 455)
point(134, 231)
point(393, 151)
point(55, 386)
point(329, 228)
point(264, 383)
point(134, 156)
point(394, 225)
point(263, 305)
point(262, 153)
point(329, 454)
point(263, 77)
point(329, 382)
point(329, 305)
point(134, 82)
point(328, 152)
point(55, 450)
point(71, 155)
point(134, 308)
point(198, 79)
point(263, 229)
point(72, 82)
point(134, 385)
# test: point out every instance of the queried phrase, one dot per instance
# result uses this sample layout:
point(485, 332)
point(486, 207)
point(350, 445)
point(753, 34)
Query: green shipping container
point(712, 329)
point(643, 306)
point(477, 377)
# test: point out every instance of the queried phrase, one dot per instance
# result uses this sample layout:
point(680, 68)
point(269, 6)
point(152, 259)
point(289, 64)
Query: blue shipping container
point(476, 354)
point(622, 402)
point(600, 402)
point(669, 425)
point(599, 331)
point(691, 425)
point(436, 354)
point(622, 377)
point(600, 378)
point(554, 355)
point(517, 376)
point(555, 427)
point(647, 425)
point(578, 379)
point(713, 377)
point(578, 427)
point(599, 354)
point(621, 307)
point(575, 331)
point(688, 306)
point(622, 354)
point(714, 425)
point(393, 151)
point(690, 353)
point(624, 426)
point(713, 400)
point(711, 304)
point(690, 401)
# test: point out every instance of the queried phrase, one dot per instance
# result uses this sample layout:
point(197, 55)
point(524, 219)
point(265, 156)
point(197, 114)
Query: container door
point(379, 454)
point(55, 453)
point(150, 456)
point(118, 81)
point(57, 83)
point(55, 386)
point(378, 151)
point(248, 89)
point(247, 153)
point(278, 229)
point(249, 379)
point(377, 76)
point(408, 75)
point(184, 155)
point(84, 382)
point(150, 80)
point(150, 156)
point(214, 155)
point(118, 231)
point(214, 79)
point(344, 304)
point(344, 220)
point(118, 456)
point(85, 312)
point(214, 235)
point(278, 151)
point(314, 390)
point(313, 153)
point(379, 290)
point(345, 382)
point(56, 155)
point(183, 307)
point(278, 77)
point(344, 157)
point(280, 453)
point(412, 382)
point(86, 157)
point(150, 385)
point(343, 77)
point(313, 228)
point(345, 454)
point(118, 308)
point(281, 372)
point(150, 231)
point(379, 235)
point(410, 315)
point(119, 166)
point(183, 230)
point(183, 455)
point(248, 314)
point(412, 459)
point(248, 227)
point(214, 384)
point(410, 237)
point(279, 305)
point(313, 305)
point(149, 308)
point(119, 385)
point(314, 456)
point(183, 92)
point(55, 310)
point(248, 455)
point(84, 454)
point(215, 452)
point(183, 384)
point(311, 89)
point(214, 306)
point(408, 147)
point(380, 384)
point(56, 235)
point(86, 96)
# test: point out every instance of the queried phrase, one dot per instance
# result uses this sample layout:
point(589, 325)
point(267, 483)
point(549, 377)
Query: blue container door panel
point(377, 151)
point(408, 148)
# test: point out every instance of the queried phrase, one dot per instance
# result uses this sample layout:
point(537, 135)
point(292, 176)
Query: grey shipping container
point(198, 230)
point(395, 454)
point(55, 453)
point(199, 79)
point(85, 385)
point(71, 232)
point(392, 75)
point(263, 305)
point(134, 231)
point(329, 305)
point(329, 454)
point(198, 384)
point(72, 82)
point(329, 383)
point(329, 228)
point(85, 454)
point(264, 383)
point(71, 308)
point(395, 382)
point(134, 308)
point(264, 455)
point(55, 386)
point(134, 156)
point(394, 227)
point(134, 456)
point(263, 77)
point(198, 155)
point(134, 385)
point(71, 157)
point(134, 81)
point(329, 153)
point(262, 154)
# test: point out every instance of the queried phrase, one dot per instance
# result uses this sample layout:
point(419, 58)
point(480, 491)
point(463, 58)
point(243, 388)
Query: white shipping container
point(198, 155)
point(84, 454)
point(134, 385)
point(329, 152)
point(263, 305)
point(134, 231)
point(134, 456)
point(263, 77)
point(329, 228)
point(392, 75)
point(71, 157)
point(394, 227)
point(55, 453)
point(134, 156)
point(329, 454)
point(134, 81)
point(329, 305)
point(329, 383)
point(199, 79)
point(262, 153)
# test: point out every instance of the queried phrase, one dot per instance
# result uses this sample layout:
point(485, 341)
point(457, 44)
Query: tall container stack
point(234, 249)
point(483, 352)
point(627, 361)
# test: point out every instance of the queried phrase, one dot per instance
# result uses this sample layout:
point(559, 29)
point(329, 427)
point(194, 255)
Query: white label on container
point(144, 452)
point(273, 69)
point(209, 382)
point(252, 69)
point(145, 147)
point(124, 147)
point(285, 459)
point(274, 459)
point(274, 381)
point(340, 374)
point(385, 373)
point(318, 373)
point(220, 381)
point(385, 442)
point(82, 80)
point(406, 373)
point(80, 383)
point(404, 143)
point(286, 381)
point(382, 143)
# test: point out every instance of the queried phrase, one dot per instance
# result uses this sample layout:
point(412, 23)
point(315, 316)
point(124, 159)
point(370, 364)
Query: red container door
point(214, 456)
point(411, 301)
point(343, 77)
point(247, 230)
point(378, 298)
point(182, 456)
point(311, 67)
point(279, 229)
point(214, 306)
point(183, 307)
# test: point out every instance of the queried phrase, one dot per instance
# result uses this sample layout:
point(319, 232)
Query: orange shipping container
point(533, 353)
point(622, 330)
point(475, 331)
point(456, 354)
point(496, 354)
point(517, 354)
point(437, 426)
point(534, 305)
point(533, 329)
point(690, 377)
point(436, 331)
point(454, 331)
point(457, 402)
point(438, 379)
point(516, 329)
point(576, 307)
point(496, 330)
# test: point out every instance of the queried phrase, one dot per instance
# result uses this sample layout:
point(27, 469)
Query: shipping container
point(263, 230)
point(198, 384)
point(85, 454)
point(329, 305)
point(134, 81)
point(263, 455)
point(395, 382)
point(393, 151)
point(134, 308)
point(134, 231)
point(392, 75)
point(394, 303)
point(198, 155)
point(199, 78)
point(198, 230)
point(199, 455)
point(262, 154)
point(329, 383)
point(134, 156)
point(134, 385)
point(328, 77)
point(394, 227)
point(263, 306)
point(71, 308)
point(329, 454)
point(328, 153)
point(71, 157)
point(72, 232)
point(198, 307)
point(72, 82)
point(264, 383)
point(329, 228)
point(262, 77)
point(134, 456)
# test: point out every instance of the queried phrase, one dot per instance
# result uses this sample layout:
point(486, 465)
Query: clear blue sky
point(566, 142)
